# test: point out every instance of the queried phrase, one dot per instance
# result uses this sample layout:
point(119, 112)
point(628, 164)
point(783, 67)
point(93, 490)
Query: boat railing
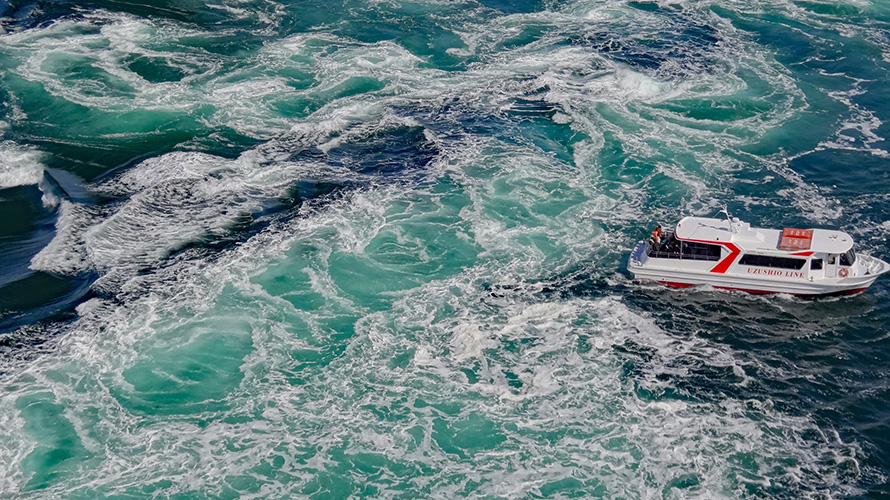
point(661, 254)
point(672, 248)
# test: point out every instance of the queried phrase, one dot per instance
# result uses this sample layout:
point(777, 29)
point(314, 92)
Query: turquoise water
point(265, 249)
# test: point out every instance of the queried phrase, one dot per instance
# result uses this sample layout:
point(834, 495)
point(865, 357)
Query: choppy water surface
point(262, 249)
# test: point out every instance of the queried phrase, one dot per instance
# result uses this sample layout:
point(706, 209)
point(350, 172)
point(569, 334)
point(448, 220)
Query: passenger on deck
point(656, 237)
point(671, 243)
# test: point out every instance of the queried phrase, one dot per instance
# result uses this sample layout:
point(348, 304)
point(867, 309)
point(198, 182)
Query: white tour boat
point(730, 254)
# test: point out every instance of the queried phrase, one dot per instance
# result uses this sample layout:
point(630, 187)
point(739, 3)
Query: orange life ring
point(843, 273)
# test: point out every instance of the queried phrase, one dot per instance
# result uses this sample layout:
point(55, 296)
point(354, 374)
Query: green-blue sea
point(287, 249)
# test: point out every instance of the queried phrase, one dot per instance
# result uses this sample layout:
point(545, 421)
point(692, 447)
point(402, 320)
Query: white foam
point(66, 253)
point(190, 195)
point(436, 354)
point(628, 443)
point(666, 434)
point(15, 450)
point(637, 85)
point(811, 200)
point(469, 341)
point(245, 99)
point(19, 166)
point(196, 196)
point(45, 55)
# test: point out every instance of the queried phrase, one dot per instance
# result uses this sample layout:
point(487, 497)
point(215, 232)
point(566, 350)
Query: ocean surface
point(376, 248)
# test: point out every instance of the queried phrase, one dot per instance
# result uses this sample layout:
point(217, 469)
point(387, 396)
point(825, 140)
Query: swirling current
point(375, 248)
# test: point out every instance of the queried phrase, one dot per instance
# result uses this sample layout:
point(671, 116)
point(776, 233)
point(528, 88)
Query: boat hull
point(666, 272)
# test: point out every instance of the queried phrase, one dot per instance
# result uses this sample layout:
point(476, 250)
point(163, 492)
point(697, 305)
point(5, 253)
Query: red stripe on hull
point(724, 264)
point(676, 284)
point(756, 292)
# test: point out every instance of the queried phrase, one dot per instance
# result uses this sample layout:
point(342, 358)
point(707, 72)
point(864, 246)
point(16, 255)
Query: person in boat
point(656, 236)
point(671, 243)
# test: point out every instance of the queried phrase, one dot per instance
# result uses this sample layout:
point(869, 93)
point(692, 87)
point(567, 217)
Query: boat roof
point(792, 240)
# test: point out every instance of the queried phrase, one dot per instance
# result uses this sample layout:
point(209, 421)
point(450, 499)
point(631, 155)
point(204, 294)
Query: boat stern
point(638, 256)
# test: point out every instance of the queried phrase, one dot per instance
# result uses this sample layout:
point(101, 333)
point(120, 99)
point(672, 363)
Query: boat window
point(816, 264)
point(848, 258)
point(751, 259)
point(832, 259)
point(700, 251)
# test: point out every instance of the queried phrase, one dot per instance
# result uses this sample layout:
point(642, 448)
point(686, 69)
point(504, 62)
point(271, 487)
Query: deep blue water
point(265, 249)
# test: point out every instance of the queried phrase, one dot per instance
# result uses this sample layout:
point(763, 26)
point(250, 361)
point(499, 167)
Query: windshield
point(848, 258)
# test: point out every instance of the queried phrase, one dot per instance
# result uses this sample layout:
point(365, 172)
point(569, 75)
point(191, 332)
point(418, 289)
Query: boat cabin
point(737, 247)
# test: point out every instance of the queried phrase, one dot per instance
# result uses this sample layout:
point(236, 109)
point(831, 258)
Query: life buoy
point(843, 273)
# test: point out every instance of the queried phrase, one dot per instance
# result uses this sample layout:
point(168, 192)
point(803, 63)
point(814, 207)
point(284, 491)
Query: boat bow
point(873, 266)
